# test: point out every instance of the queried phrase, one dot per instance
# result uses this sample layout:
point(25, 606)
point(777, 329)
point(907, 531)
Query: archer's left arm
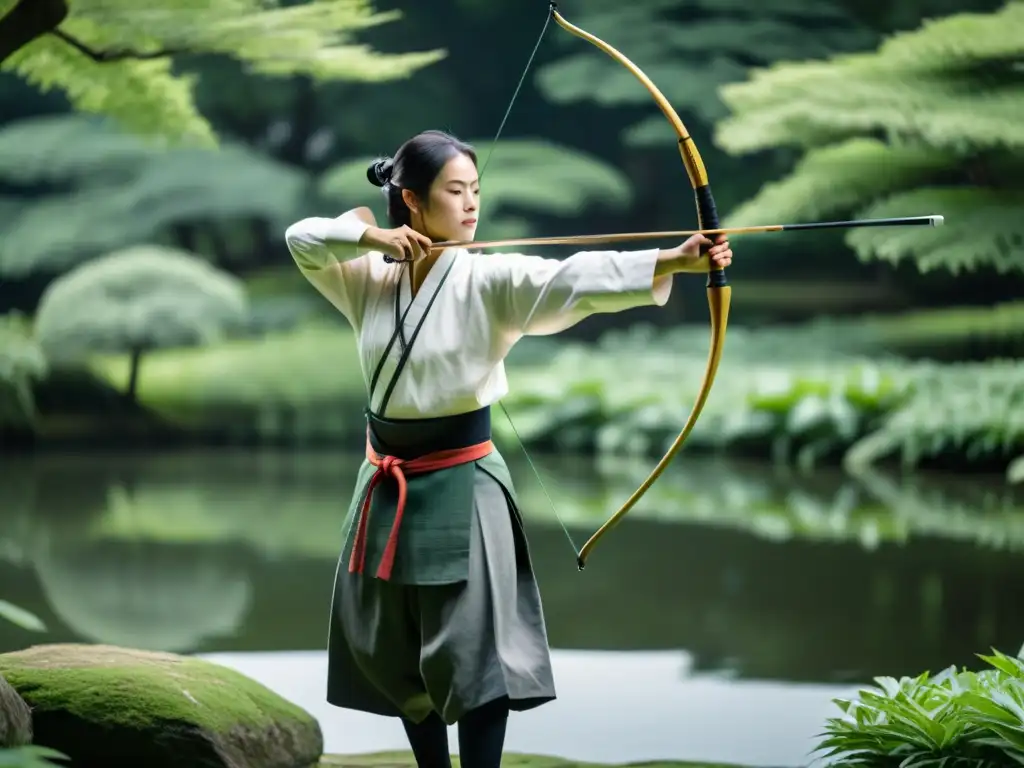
point(535, 296)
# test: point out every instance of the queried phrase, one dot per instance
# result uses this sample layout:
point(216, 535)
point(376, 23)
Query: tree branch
point(122, 54)
point(28, 21)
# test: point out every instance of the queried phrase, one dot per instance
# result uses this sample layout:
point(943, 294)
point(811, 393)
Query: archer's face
point(454, 205)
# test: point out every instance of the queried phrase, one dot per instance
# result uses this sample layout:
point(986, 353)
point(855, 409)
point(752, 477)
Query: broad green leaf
point(21, 617)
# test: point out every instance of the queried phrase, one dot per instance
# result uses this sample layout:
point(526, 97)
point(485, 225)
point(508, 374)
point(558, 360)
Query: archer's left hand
point(717, 256)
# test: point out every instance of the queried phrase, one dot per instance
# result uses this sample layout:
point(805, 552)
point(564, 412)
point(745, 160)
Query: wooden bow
point(718, 289)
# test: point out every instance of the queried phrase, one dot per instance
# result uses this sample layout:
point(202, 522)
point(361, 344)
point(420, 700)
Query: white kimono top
point(487, 304)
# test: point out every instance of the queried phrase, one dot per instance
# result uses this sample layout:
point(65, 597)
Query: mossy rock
point(110, 707)
point(405, 760)
point(15, 717)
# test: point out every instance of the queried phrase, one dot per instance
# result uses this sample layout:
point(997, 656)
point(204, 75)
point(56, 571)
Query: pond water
point(716, 622)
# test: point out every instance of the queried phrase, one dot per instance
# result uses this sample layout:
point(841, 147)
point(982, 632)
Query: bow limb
point(718, 289)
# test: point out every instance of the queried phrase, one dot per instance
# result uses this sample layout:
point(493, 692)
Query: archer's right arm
point(318, 243)
point(329, 255)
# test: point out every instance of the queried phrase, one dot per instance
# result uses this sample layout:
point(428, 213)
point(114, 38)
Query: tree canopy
point(116, 57)
point(930, 122)
point(689, 49)
point(136, 300)
point(78, 187)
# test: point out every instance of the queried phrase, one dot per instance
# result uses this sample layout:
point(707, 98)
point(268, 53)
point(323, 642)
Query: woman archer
point(436, 616)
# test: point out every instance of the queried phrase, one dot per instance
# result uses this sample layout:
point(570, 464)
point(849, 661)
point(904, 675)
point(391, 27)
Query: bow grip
point(707, 216)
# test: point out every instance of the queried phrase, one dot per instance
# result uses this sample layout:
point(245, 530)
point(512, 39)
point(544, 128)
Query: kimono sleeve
point(328, 253)
point(535, 296)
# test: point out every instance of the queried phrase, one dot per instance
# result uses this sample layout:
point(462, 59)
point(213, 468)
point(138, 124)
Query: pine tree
point(134, 301)
point(930, 122)
point(689, 49)
point(115, 57)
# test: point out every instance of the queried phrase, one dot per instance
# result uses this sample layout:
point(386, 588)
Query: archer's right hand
point(401, 244)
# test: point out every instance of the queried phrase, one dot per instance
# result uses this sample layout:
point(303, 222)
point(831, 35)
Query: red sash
point(390, 466)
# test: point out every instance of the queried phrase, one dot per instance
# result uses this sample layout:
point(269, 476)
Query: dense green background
point(147, 294)
point(180, 411)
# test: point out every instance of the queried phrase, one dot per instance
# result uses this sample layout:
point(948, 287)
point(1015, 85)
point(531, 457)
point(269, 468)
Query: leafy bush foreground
point(959, 719)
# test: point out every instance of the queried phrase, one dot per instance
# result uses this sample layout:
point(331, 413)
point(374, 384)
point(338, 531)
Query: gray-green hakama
point(426, 639)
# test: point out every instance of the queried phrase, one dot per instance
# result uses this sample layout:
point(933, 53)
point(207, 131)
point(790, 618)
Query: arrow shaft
point(625, 237)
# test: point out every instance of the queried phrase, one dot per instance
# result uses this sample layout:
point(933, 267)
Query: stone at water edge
point(109, 707)
point(15, 717)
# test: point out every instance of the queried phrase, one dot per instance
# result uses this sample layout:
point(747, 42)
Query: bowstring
point(490, 154)
point(519, 86)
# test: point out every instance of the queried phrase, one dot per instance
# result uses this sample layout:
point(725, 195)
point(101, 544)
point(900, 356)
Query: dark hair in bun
point(379, 172)
point(414, 167)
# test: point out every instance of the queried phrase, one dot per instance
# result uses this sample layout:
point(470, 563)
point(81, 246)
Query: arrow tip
point(937, 221)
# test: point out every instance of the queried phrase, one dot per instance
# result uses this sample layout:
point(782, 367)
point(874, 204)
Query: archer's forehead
point(459, 170)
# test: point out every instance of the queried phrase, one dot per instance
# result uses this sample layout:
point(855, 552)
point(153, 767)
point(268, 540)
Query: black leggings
point(481, 737)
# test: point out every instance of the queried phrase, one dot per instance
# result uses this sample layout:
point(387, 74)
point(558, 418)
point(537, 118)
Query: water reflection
point(756, 574)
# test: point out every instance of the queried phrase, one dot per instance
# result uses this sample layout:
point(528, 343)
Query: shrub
point(137, 300)
point(963, 719)
point(780, 395)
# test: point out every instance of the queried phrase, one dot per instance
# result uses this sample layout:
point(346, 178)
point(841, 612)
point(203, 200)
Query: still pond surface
point(716, 622)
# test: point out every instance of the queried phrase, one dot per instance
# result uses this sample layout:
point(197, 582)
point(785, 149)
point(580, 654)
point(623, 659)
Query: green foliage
point(928, 123)
point(798, 397)
point(31, 756)
point(137, 299)
point(130, 78)
point(949, 84)
point(689, 50)
point(975, 412)
point(521, 176)
point(957, 718)
point(275, 389)
point(867, 167)
point(294, 386)
point(988, 230)
point(772, 397)
point(954, 334)
point(807, 396)
point(21, 363)
point(105, 189)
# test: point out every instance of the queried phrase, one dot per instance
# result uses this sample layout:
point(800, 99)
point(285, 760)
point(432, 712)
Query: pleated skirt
point(405, 650)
